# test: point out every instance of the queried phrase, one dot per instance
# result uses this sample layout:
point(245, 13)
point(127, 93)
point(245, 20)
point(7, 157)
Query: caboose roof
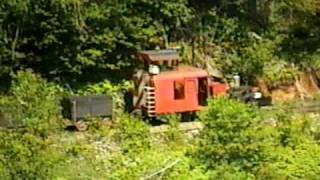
point(159, 55)
point(182, 72)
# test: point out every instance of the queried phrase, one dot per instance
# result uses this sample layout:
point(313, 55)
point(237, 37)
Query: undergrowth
point(238, 142)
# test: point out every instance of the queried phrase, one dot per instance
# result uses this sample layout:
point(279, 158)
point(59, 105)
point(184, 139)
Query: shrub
point(302, 162)
point(279, 72)
point(133, 134)
point(229, 135)
point(237, 143)
point(229, 172)
point(25, 156)
point(32, 102)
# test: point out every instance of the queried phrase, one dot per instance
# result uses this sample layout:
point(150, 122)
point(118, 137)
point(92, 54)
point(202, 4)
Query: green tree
point(71, 38)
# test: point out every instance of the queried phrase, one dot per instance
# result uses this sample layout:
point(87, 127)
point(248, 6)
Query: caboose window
point(179, 90)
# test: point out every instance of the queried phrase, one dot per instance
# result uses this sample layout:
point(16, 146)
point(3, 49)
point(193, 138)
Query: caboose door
point(191, 91)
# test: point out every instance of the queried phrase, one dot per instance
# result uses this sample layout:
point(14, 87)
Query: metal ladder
point(150, 102)
point(140, 83)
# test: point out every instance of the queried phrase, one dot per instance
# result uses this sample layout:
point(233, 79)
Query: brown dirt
point(306, 86)
point(284, 93)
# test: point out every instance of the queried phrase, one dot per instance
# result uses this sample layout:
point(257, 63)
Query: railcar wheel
point(137, 113)
point(77, 126)
point(188, 116)
point(128, 97)
point(81, 126)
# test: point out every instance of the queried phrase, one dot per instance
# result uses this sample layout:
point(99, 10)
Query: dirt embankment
point(306, 86)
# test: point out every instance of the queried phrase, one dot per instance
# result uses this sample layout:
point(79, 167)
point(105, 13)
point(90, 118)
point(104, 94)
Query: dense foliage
point(89, 40)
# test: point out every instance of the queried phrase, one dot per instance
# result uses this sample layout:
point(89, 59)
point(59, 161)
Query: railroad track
point(299, 106)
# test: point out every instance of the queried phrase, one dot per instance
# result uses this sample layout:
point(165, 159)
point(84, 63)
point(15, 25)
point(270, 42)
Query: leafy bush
point(278, 72)
point(294, 155)
point(32, 102)
point(238, 143)
point(302, 162)
point(229, 135)
point(230, 172)
point(25, 156)
point(133, 134)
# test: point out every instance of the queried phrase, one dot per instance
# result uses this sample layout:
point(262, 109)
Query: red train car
point(181, 90)
point(165, 87)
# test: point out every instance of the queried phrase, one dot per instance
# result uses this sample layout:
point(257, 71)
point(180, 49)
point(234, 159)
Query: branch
point(14, 43)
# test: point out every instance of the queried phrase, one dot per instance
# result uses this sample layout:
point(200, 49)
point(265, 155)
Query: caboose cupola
point(159, 60)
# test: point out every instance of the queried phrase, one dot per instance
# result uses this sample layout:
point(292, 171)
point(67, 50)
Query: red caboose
point(164, 87)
